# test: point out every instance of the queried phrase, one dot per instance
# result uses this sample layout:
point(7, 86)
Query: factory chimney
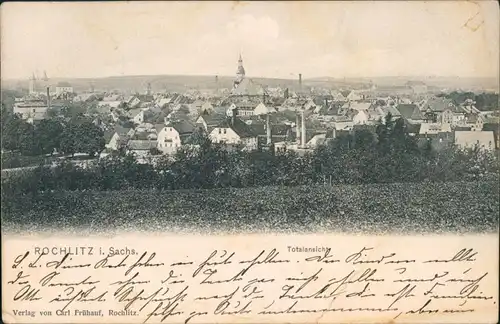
point(300, 82)
point(268, 129)
point(48, 98)
point(233, 116)
point(303, 140)
point(297, 129)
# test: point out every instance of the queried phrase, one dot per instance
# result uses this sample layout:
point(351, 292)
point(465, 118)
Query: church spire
point(240, 72)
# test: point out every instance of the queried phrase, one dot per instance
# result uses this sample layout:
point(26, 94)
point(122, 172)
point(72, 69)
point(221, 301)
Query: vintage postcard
point(250, 162)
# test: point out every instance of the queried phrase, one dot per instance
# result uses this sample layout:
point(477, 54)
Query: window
point(224, 131)
point(220, 131)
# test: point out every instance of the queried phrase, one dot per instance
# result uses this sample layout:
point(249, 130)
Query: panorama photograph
point(250, 117)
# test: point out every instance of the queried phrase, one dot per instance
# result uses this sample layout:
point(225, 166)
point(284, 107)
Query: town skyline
point(273, 43)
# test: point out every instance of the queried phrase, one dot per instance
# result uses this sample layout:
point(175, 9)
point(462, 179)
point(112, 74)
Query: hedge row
point(375, 208)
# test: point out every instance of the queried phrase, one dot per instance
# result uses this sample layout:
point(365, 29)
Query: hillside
point(180, 83)
point(455, 207)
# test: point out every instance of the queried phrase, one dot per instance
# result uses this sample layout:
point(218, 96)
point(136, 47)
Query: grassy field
point(377, 209)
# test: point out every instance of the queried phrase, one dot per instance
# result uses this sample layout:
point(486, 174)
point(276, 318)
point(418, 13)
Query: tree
point(198, 137)
point(29, 143)
point(12, 129)
point(68, 139)
point(89, 138)
point(49, 133)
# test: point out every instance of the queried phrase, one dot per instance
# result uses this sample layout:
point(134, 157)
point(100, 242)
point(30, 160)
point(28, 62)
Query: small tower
point(148, 89)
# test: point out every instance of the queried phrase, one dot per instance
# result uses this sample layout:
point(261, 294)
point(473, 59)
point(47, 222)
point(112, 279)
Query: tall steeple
point(240, 72)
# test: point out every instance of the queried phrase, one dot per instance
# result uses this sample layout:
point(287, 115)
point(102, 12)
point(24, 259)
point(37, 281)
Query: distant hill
point(480, 84)
point(160, 83)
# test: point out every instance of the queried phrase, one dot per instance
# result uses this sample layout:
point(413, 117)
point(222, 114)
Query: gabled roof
point(439, 104)
point(248, 87)
point(133, 112)
point(238, 126)
point(409, 111)
point(182, 127)
point(389, 109)
point(122, 131)
point(213, 119)
point(360, 105)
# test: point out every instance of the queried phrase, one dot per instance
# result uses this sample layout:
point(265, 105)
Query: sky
point(276, 39)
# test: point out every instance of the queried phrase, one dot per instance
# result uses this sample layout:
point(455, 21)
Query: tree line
point(65, 135)
point(387, 156)
point(483, 101)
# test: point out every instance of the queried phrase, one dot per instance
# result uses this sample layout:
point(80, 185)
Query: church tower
point(240, 72)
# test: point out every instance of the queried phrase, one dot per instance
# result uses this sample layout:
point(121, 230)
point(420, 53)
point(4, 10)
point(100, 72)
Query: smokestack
point(300, 81)
point(303, 128)
point(268, 129)
point(297, 129)
point(233, 116)
point(48, 97)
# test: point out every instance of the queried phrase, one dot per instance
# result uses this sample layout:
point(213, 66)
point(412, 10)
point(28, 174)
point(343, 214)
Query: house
point(206, 107)
point(208, 121)
point(411, 113)
point(136, 115)
point(484, 140)
point(31, 110)
point(163, 102)
point(360, 106)
point(263, 109)
point(383, 111)
point(452, 116)
point(438, 142)
point(174, 135)
point(439, 105)
point(113, 97)
point(63, 87)
point(243, 109)
point(119, 138)
point(342, 122)
point(474, 121)
point(354, 96)
point(85, 97)
point(141, 149)
point(337, 96)
point(434, 128)
point(361, 117)
point(132, 102)
point(109, 104)
point(234, 131)
point(495, 128)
